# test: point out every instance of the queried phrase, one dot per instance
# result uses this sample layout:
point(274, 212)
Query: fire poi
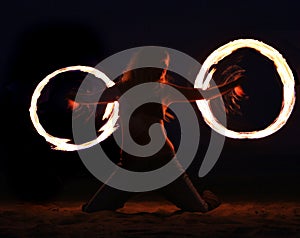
point(202, 81)
point(284, 71)
point(111, 112)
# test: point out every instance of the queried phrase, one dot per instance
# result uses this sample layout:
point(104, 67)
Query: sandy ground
point(250, 208)
point(150, 218)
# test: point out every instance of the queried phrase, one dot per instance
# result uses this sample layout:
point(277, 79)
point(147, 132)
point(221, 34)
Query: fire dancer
point(181, 192)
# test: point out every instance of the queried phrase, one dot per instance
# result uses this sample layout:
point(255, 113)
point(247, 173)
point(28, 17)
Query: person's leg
point(184, 195)
point(106, 198)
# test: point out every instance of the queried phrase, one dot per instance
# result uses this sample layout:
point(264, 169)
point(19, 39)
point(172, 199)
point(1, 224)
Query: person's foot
point(211, 199)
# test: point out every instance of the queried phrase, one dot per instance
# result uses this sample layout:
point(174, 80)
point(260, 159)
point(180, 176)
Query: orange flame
point(111, 112)
point(166, 60)
point(73, 105)
point(284, 71)
point(239, 91)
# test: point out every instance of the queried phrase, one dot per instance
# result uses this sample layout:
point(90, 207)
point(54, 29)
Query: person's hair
point(134, 74)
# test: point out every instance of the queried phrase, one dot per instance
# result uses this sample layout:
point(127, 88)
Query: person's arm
point(194, 94)
point(109, 95)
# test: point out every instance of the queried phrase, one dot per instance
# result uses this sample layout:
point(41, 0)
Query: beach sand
point(150, 216)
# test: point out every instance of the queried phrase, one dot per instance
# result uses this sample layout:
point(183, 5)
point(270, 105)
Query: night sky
point(38, 37)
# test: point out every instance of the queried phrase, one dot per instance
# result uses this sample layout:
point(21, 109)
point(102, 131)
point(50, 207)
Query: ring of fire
point(284, 71)
point(111, 112)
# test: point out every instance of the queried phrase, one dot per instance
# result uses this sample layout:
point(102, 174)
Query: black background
point(38, 37)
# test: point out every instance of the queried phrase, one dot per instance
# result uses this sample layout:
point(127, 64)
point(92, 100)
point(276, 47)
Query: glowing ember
point(111, 112)
point(73, 105)
point(284, 71)
point(238, 90)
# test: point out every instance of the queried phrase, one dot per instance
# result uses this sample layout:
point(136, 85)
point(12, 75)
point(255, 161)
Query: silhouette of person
point(180, 192)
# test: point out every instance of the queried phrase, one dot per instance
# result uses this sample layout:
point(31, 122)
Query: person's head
point(135, 74)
